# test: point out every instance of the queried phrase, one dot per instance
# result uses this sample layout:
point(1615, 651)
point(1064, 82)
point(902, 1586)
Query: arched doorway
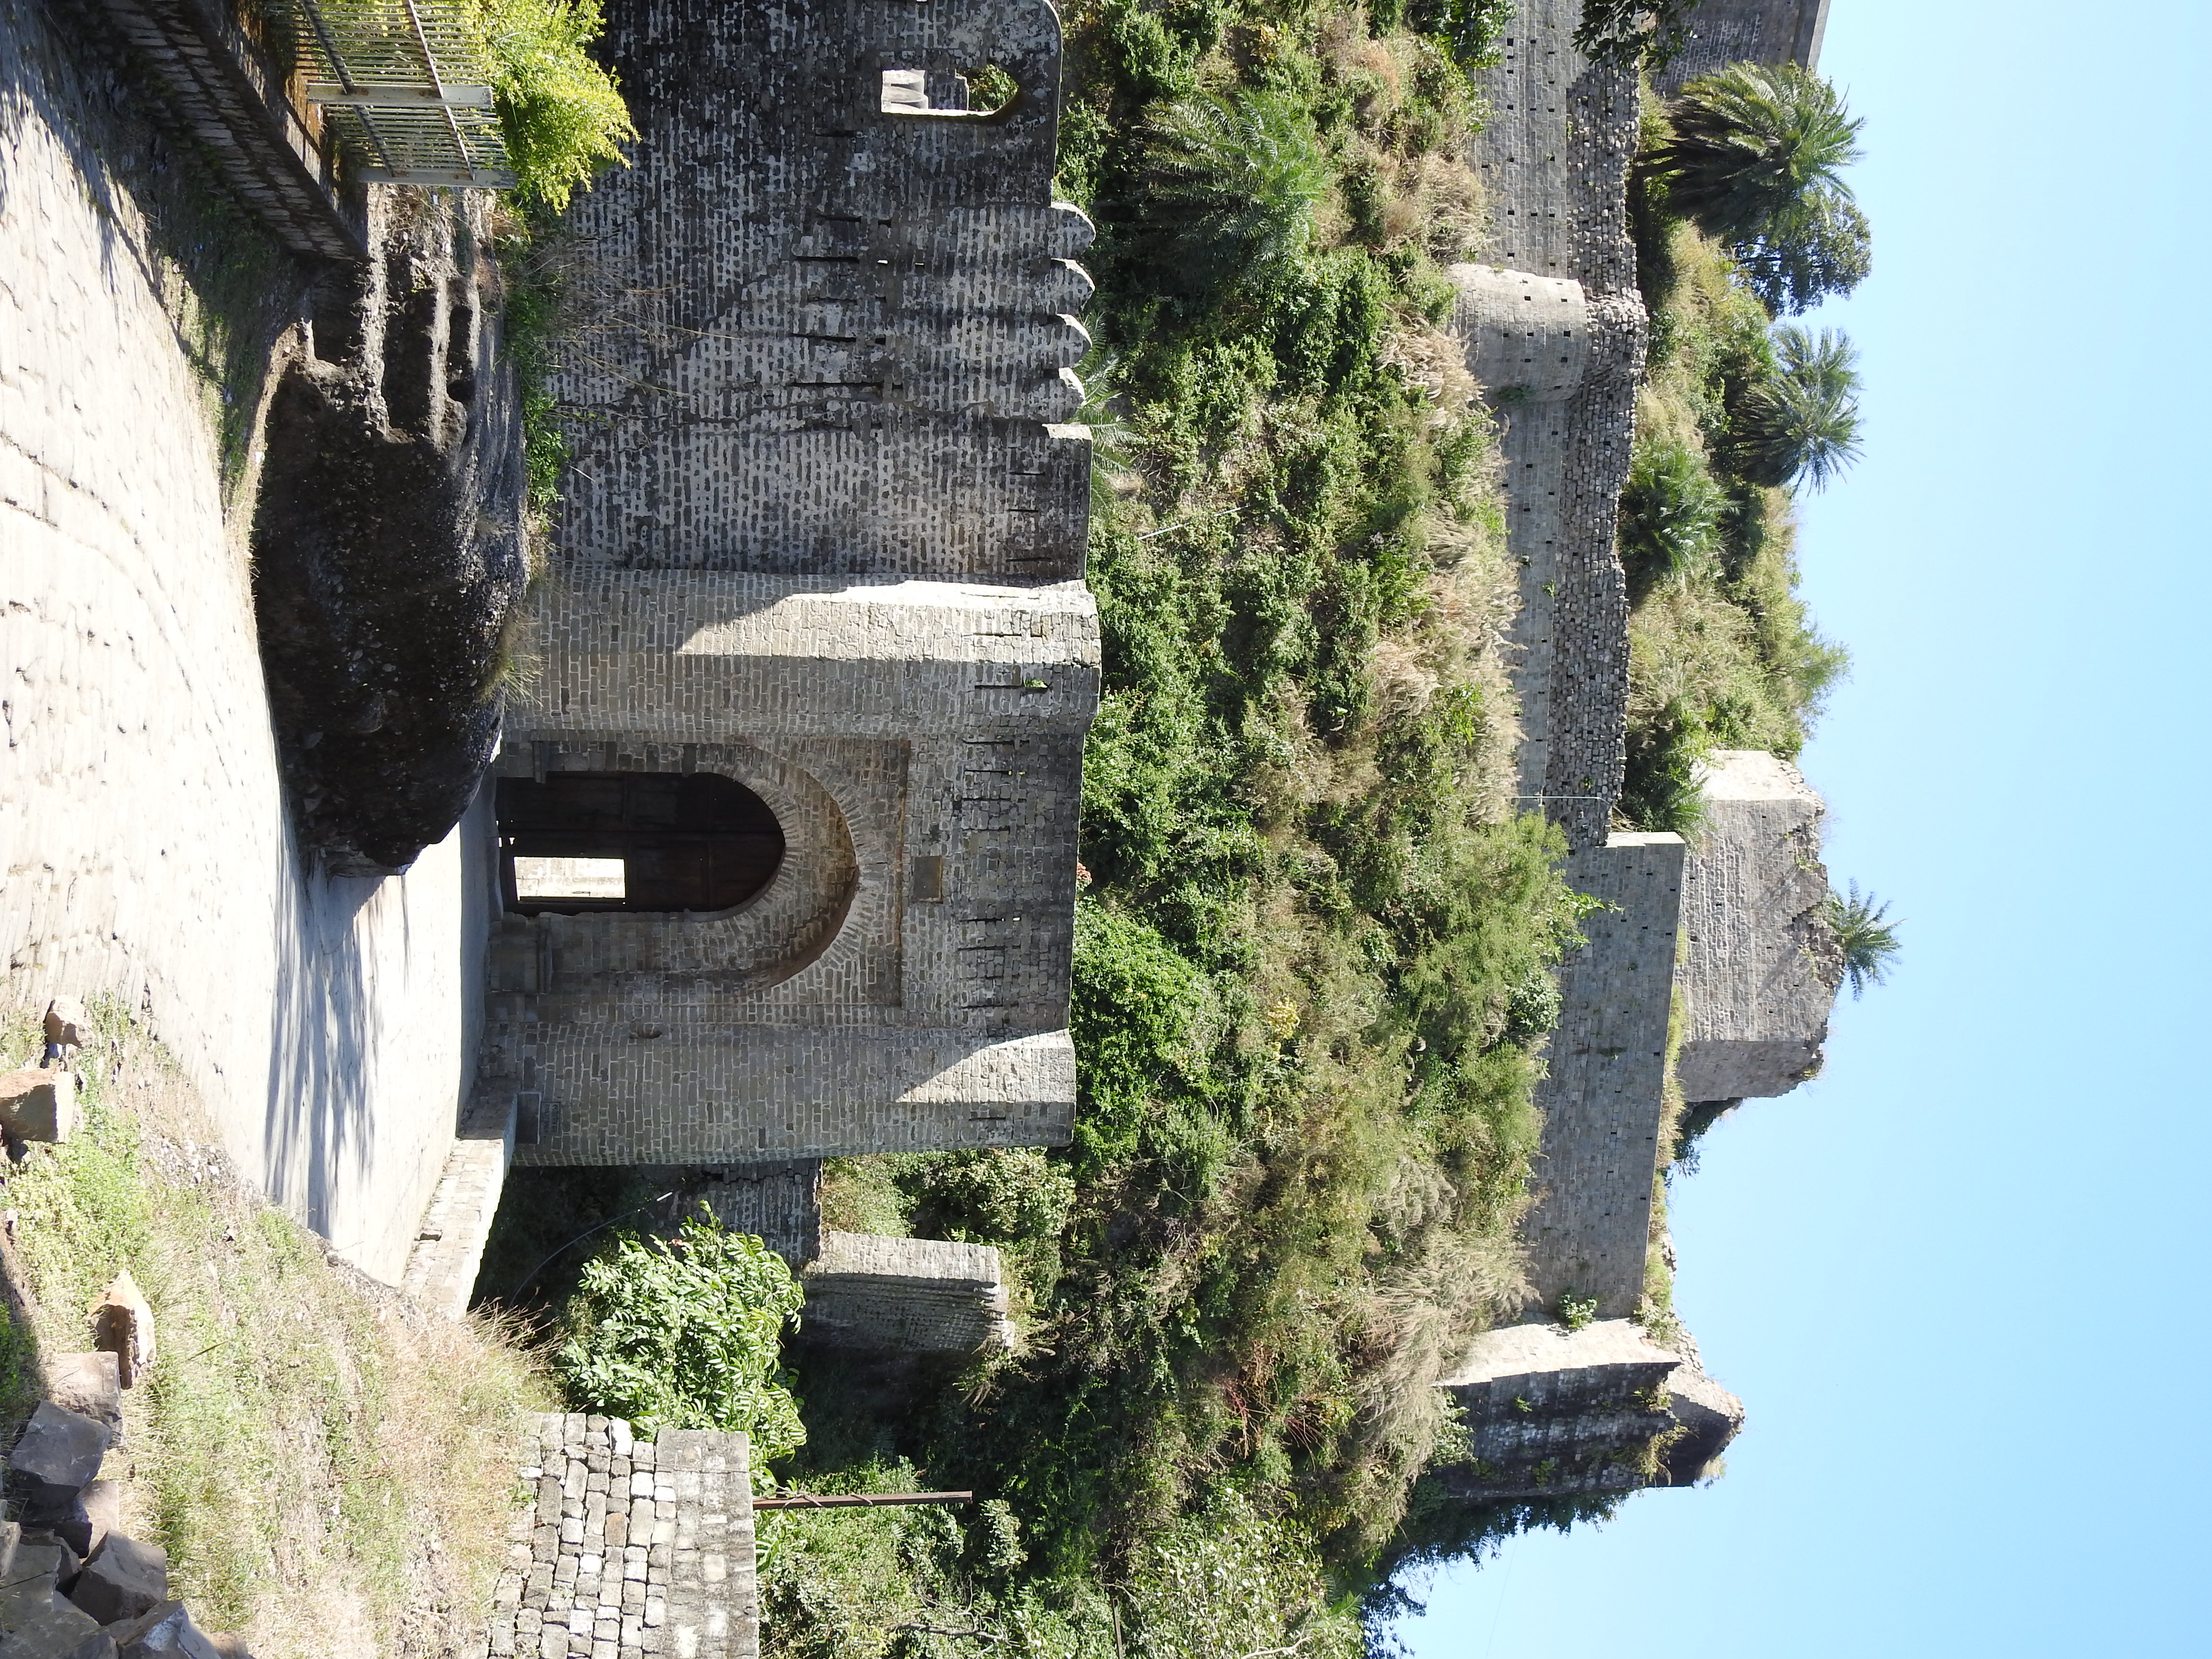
point(585, 841)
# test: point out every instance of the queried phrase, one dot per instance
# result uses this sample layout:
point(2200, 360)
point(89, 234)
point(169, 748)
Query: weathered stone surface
point(1553, 1413)
point(122, 1579)
point(67, 1023)
point(676, 1577)
point(39, 1105)
point(1724, 32)
point(1760, 965)
point(60, 1448)
point(780, 1204)
point(97, 1512)
point(122, 1323)
point(388, 543)
point(1604, 1094)
point(158, 1631)
point(89, 1384)
point(60, 1631)
point(327, 1024)
point(822, 536)
point(905, 1296)
point(1710, 1418)
point(1554, 329)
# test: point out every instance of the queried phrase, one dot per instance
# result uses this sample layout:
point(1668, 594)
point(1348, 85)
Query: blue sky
point(1961, 1280)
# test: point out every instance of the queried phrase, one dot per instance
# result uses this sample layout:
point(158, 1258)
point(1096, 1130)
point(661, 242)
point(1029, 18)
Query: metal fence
point(405, 85)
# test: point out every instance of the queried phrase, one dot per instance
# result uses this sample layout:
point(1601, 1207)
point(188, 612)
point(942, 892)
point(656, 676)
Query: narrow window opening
point(985, 90)
point(581, 842)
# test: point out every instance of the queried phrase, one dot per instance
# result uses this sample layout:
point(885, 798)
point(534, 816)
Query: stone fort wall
point(328, 1023)
point(824, 534)
point(1723, 32)
point(1558, 282)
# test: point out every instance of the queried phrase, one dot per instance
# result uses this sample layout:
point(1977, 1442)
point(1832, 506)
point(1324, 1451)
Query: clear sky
point(1961, 1280)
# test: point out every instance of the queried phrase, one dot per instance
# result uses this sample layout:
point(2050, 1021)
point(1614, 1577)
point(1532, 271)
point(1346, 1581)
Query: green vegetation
point(1313, 960)
point(1866, 935)
point(316, 1456)
point(685, 1332)
point(1722, 654)
point(561, 112)
point(1755, 161)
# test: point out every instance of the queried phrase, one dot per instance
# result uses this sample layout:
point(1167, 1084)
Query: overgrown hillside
point(1317, 946)
point(1315, 956)
point(329, 1468)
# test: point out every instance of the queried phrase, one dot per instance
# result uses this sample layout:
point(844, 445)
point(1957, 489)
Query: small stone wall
point(1603, 1096)
point(634, 1546)
point(1760, 965)
point(905, 1296)
point(1553, 1413)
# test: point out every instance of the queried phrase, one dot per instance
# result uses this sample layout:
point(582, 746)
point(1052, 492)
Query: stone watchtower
point(787, 821)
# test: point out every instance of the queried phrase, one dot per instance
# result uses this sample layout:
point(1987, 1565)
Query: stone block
point(60, 1448)
point(89, 1384)
point(87, 1517)
point(60, 1631)
point(68, 1026)
point(905, 1296)
point(123, 1325)
point(36, 1105)
point(122, 1579)
point(1760, 965)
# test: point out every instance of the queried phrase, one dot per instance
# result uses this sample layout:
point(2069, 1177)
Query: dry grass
point(330, 1468)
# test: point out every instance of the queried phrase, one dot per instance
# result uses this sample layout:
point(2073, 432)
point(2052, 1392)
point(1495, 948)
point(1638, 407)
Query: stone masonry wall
point(144, 848)
point(823, 533)
point(1723, 32)
point(633, 1547)
point(835, 331)
point(905, 1296)
point(902, 982)
point(1760, 966)
point(1555, 159)
point(1603, 1095)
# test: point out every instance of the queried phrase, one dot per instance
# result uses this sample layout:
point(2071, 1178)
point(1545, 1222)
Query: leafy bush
point(1755, 161)
point(561, 112)
point(1801, 421)
point(1625, 32)
point(685, 1332)
point(995, 1197)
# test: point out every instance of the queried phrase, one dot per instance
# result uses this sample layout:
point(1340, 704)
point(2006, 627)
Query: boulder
point(123, 1579)
point(89, 1384)
point(123, 1325)
point(62, 1631)
point(67, 1025)
point(163, 1632)
point(90, 1516)
point(60, 1448)
point(36, 1105)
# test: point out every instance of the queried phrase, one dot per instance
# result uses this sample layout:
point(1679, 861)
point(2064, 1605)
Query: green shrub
point(1232, 185)
point(1670, 515)
point(685, 1332)
point(561, 112)
point(1625, 32)
point(995, 1197)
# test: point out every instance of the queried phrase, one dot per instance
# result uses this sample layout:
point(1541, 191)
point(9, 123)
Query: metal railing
point(405, 85)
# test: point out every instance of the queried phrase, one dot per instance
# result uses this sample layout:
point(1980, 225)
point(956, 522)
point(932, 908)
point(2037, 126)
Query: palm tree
point(1670, 515)
point(1867, 936)
point(1756, 162)
point(1231, 187)
point(1801, 421)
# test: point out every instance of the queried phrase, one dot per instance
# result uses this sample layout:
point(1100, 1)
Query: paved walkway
point(144, 849)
